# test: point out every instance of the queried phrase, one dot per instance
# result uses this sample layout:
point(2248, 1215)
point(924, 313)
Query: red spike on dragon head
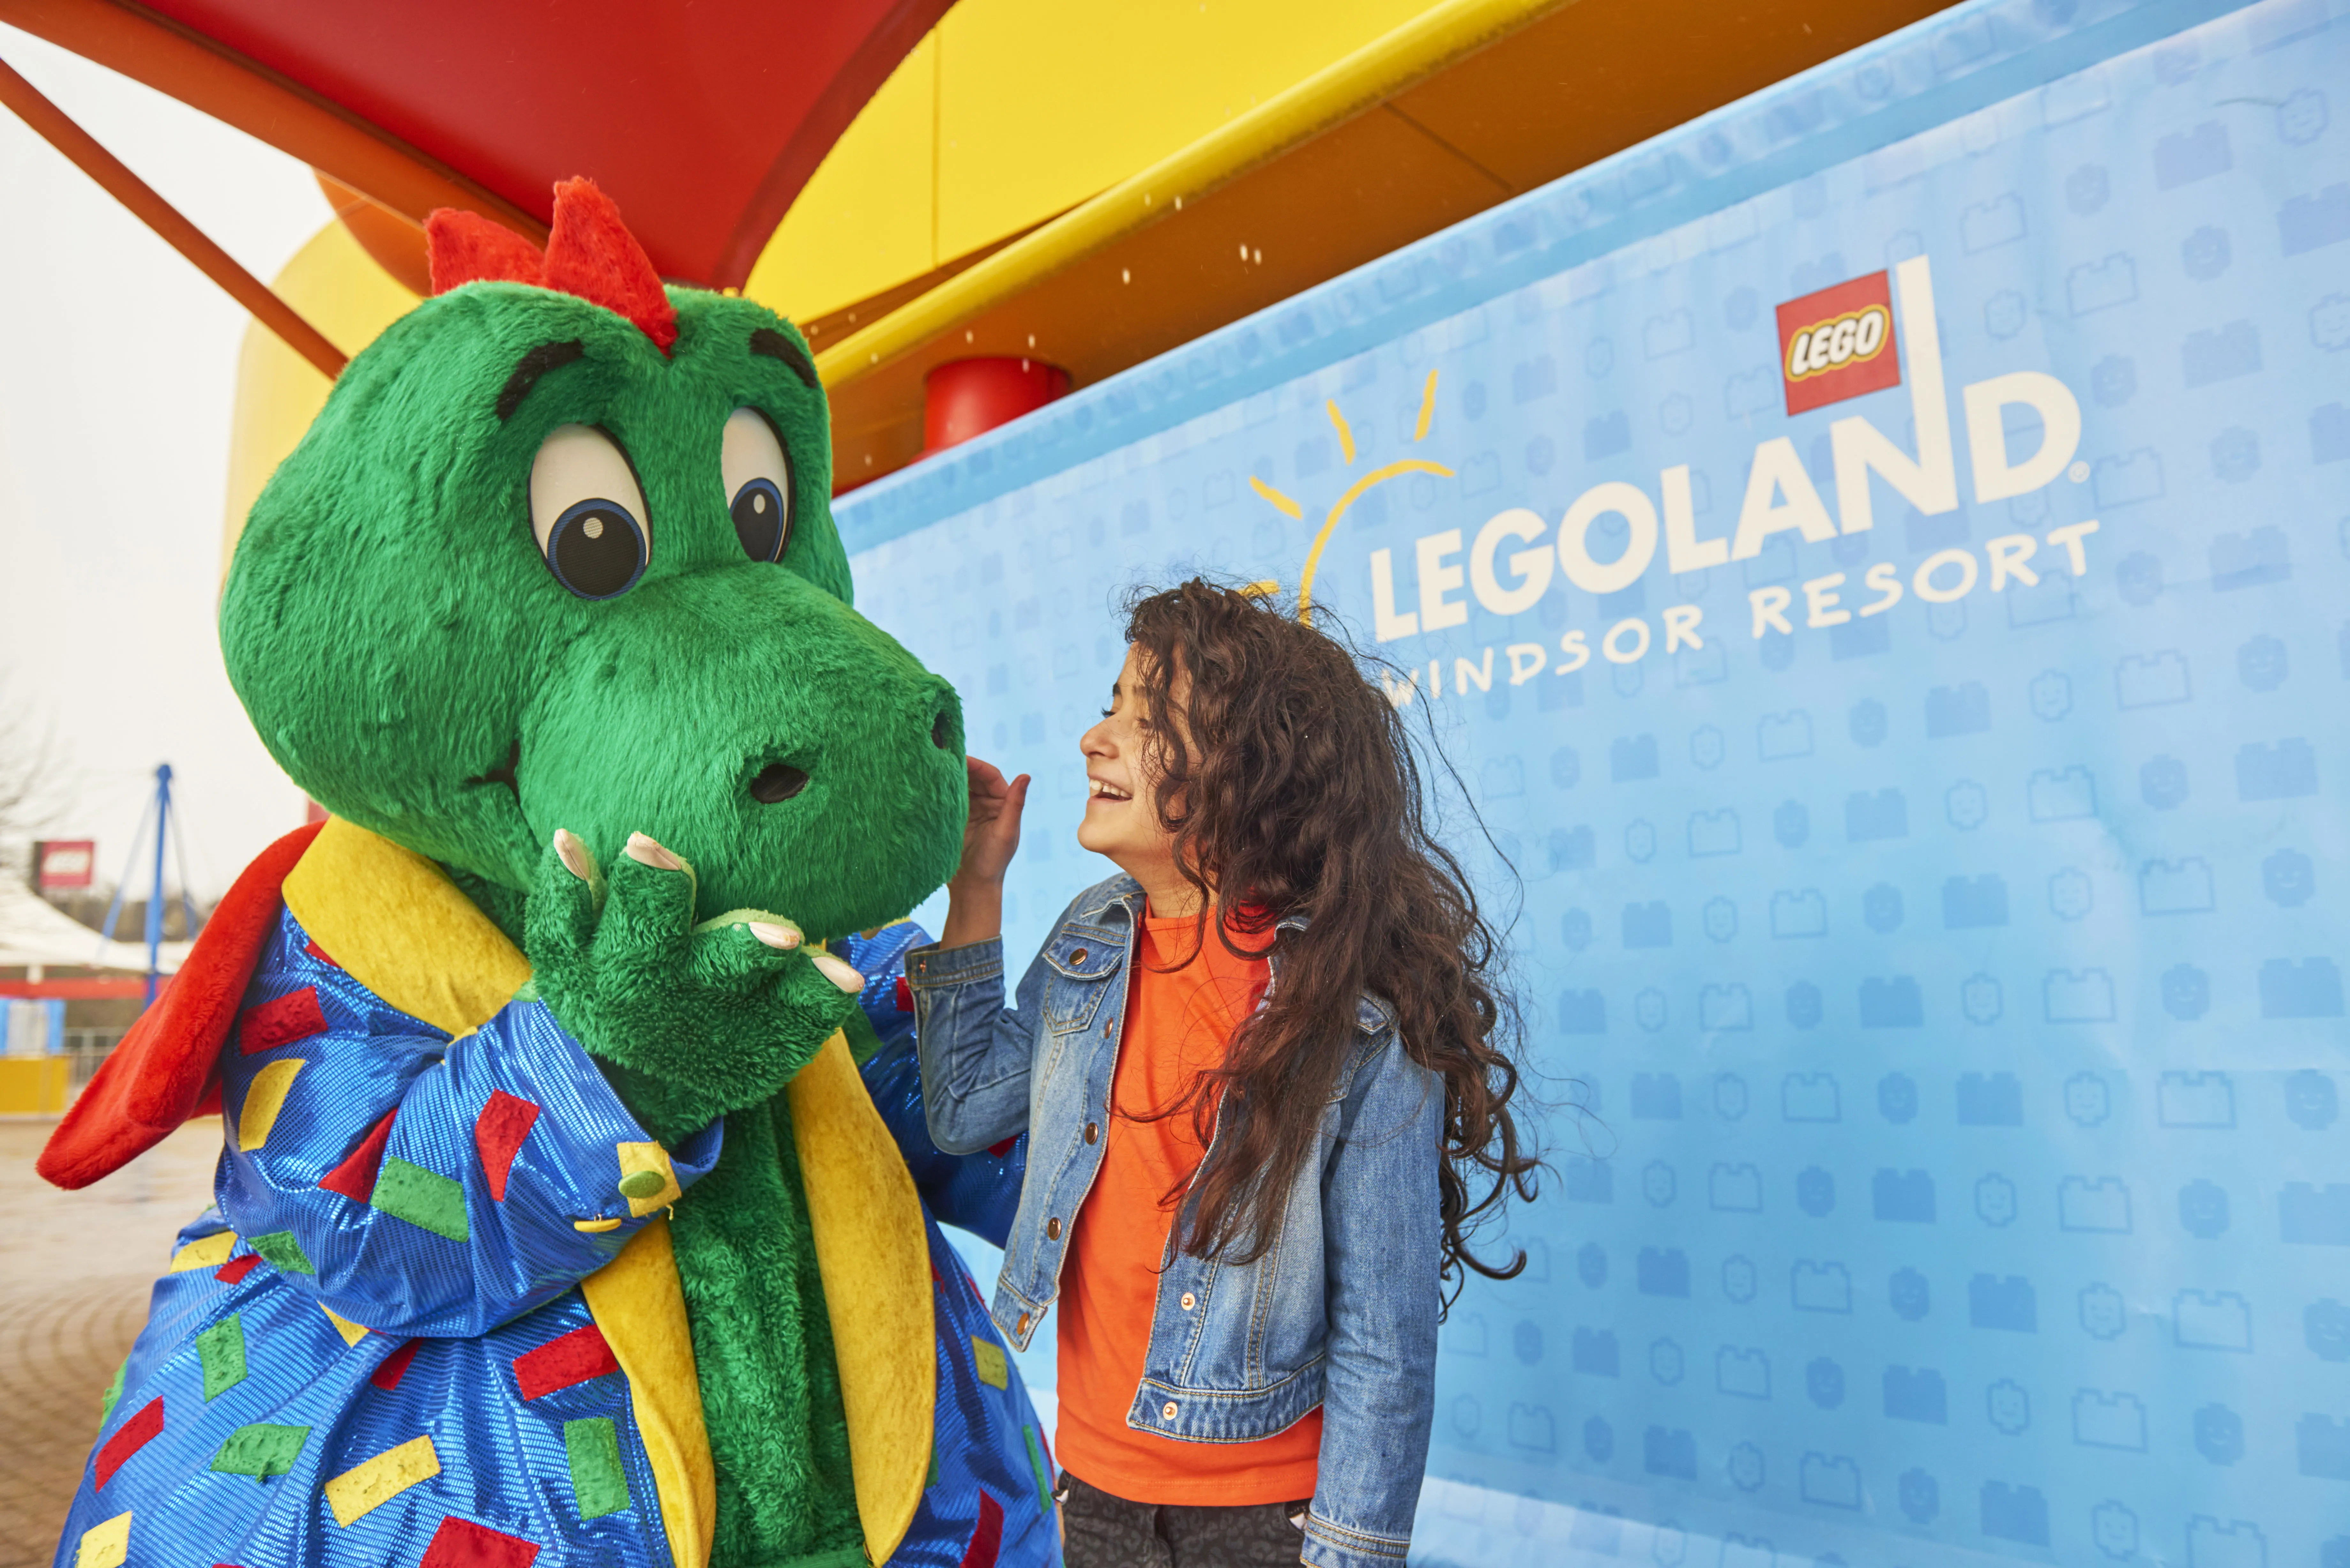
point(589, 252)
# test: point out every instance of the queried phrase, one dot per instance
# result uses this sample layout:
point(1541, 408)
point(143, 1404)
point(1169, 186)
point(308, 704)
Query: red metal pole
point(82, 149)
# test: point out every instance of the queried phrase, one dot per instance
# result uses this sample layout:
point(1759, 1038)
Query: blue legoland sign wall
point(1877, 556)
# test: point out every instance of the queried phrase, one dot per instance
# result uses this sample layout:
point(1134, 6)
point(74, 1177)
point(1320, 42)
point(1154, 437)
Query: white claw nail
point(776, 936)
point(839, 973)
point(645, 852)
point(574, 854)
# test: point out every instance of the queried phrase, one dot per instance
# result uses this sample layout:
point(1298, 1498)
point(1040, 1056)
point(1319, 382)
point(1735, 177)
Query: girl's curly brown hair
point(1292, 787)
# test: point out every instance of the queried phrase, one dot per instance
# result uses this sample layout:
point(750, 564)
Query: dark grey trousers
point(1105, 1532)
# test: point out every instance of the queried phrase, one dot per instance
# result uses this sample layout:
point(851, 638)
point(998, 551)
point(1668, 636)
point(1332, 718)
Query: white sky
point(117, 372)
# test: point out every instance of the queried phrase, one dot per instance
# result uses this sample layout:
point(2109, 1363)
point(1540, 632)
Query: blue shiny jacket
point(1341, 1312)
point(430, 1188)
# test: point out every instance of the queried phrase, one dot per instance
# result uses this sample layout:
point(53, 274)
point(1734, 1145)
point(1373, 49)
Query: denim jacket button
point(1078, 957)
point(1108, 1027)
point(1189, 1301)
point(1023, 1323)
point(1052, 1230)
point(1093, 1132)
point(1166, 1411)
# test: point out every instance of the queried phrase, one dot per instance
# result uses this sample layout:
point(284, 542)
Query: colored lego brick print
point(1042, 1464)
point(221, 1349)
point(132, 1435)
point(498, 1133)
point(369, 1484)
point(264, 1101)
point(204, 1252)
point(105, 1545)
point(559, 1363)
point(281, 1252)
point(261, 1450)
point(352, 1333)
point(862, 1041)
point(986, 1536)
point(355, 1178)
point(462, 1544)
point(106, 1401)
point(987, 1358)
point(395, 1366)
point(423, 1198)
point(647, 1179)
point(236, 1269)
point(593, 1447)
point(280, 1021)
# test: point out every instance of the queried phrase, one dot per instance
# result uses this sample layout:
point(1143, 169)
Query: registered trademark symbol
point(2078, 473)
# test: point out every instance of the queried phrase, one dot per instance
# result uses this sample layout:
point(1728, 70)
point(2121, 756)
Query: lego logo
point(1853, 338)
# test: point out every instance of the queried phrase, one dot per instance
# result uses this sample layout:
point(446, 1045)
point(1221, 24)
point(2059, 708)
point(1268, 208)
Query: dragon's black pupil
point(597, 549)
point(759, 519)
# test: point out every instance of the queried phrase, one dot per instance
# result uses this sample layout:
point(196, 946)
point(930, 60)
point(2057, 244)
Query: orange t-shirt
point(1176, 1023)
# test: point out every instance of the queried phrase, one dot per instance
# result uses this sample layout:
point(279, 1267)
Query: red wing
point(167, 1068)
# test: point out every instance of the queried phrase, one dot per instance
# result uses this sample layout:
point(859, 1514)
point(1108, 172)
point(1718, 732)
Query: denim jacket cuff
point(1329, 1545)
point(931, 967)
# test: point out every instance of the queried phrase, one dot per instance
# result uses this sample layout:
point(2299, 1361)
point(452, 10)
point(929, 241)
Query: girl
point(1265, 1076)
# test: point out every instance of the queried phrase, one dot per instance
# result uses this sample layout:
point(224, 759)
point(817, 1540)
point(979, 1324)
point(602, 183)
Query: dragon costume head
point(598, 587)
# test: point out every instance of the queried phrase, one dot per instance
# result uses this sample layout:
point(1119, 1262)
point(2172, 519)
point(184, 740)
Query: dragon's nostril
point(777, 782)
point(942, 730)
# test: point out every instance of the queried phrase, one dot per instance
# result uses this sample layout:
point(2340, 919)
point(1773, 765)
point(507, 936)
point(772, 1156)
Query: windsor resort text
point(1780, 498)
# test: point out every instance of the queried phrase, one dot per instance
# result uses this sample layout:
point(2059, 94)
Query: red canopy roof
point(703, 120)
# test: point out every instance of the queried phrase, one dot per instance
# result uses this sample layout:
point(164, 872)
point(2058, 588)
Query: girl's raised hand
point(992, 834)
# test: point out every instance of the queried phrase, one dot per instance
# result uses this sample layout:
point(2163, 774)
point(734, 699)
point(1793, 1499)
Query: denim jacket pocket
point(1082, 963)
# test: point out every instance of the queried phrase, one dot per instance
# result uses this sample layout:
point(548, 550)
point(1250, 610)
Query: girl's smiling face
point(1122, 820)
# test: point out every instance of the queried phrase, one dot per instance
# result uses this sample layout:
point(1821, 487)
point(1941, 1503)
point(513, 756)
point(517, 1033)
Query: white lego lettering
point(1820, 601)
point(1778, 470)
point(1684, 550)
point(1922, 585)
point(2008, 553)
point(1385, 625)
point(1771, 609)
point(1531, 568)
point(1640, 648)
point(1997, 479)
point(1437, 579)
point(1632, 504)
point(1930, 482)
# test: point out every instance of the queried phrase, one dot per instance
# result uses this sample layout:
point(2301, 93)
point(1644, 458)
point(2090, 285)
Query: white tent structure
point(35, 931)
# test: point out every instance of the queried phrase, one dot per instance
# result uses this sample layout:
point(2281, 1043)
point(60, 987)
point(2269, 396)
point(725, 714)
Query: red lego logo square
point(1838, 343)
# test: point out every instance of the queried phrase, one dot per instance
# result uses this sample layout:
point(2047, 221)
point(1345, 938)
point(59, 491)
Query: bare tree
point(28, 778)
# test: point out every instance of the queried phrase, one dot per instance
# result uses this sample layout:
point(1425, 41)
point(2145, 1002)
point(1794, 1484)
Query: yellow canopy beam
point(1371, 75)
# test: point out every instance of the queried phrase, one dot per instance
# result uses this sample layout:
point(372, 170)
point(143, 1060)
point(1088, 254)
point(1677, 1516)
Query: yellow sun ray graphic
point(1296, 512)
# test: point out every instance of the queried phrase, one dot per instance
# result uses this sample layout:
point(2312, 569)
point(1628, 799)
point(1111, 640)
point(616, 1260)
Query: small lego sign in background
point(65, 863)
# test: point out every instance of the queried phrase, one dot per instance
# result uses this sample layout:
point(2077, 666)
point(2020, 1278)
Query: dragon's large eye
point(588, 512)
point(758, 484)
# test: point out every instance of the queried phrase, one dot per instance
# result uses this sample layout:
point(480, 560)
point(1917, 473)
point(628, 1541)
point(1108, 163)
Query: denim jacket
point(1340, 1311)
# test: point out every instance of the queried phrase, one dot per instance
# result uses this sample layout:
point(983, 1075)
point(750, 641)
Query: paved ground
point(75, 1271)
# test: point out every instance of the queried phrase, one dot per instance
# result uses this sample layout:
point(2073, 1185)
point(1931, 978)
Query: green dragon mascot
point(574, 1205)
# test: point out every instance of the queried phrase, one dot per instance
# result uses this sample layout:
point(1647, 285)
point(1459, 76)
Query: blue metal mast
point(155, 898)
point(160, 809)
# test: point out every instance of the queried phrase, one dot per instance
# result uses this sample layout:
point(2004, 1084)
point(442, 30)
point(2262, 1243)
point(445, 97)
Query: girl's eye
point(758, 484)
point(587, 514)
